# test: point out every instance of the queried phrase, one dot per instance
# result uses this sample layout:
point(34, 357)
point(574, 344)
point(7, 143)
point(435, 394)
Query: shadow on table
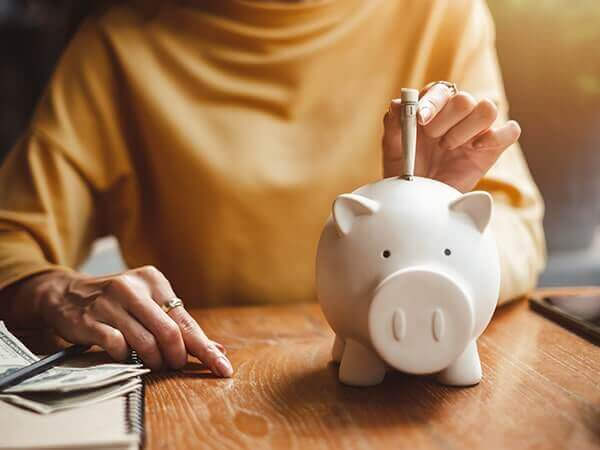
point(400, 399)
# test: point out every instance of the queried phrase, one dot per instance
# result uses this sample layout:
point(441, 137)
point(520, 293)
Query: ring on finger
point(170, 304)
point(451, 86)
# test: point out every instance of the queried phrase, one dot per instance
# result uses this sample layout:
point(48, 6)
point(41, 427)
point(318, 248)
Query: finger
point(199, 345)
point(485, 151)
point(140, 339)
point(110, 339)
point(500, 138)
point(457, 109)
point(194, 338)
point(479, 120)
point(86, 329)
point(220, 346)
point(136, 335)
point(151, 315)
point(392, 129)
point(158, 285)
point(432, 102)
point(163, 328)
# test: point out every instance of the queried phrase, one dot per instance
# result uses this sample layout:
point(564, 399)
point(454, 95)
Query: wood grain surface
point(541, 390)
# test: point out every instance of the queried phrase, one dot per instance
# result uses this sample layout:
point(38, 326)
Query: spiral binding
point(135, 405)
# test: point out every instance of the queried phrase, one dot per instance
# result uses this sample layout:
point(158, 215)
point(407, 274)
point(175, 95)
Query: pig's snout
point(420, 320)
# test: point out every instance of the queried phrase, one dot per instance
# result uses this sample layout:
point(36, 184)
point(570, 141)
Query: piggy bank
point(408, 277)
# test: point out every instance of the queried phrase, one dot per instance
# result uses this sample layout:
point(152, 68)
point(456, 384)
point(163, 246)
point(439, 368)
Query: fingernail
point(394, 105)
point(224, 367)
point(424, 114)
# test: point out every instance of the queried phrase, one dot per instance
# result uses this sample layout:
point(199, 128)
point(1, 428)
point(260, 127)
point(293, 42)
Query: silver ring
point(452, 86)
point(175, 302)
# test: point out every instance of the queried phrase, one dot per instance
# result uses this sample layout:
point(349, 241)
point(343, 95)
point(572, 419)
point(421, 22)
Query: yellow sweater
point(212, 140)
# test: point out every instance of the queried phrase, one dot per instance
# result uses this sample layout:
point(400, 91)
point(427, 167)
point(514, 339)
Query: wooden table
point(541, 390)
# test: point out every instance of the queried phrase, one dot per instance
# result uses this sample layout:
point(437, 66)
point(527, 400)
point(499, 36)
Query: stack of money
point(62, 387)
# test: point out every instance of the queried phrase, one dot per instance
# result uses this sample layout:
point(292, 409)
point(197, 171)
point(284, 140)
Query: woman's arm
point(58, 191)
point(468, 142)
point(115, 312)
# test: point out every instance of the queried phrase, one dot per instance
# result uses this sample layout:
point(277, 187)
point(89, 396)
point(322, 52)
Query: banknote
point(13, 355)
point(49, 402)
point(63, 386)
point(12, 351)
point(68, 379)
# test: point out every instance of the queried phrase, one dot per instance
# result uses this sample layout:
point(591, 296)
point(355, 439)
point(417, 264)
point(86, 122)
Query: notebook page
point(101, 426)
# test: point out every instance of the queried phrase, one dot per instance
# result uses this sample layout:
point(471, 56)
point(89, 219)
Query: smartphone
point(578, 313)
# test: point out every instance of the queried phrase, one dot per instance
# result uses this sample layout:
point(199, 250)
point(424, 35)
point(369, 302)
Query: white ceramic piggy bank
point(408, 277)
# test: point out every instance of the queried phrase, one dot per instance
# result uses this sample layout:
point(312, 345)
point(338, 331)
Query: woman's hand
point(455, 141)
point(124, 311)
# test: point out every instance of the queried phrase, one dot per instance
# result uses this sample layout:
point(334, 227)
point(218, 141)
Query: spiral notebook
point(114, 424)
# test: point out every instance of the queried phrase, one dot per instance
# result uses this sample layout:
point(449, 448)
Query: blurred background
point(549, 51)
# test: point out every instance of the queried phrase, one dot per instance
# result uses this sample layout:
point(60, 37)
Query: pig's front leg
point(338, 349)
point(360, 366)
point(465, 370)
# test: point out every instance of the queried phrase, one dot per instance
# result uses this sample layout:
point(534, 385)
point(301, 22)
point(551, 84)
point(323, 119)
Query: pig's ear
point(347, 207)
point(477, 205)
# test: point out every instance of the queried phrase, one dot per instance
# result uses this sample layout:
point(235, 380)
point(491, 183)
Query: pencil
point(22, 374)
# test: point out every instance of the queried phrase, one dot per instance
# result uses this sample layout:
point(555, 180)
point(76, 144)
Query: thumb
point(392, 140)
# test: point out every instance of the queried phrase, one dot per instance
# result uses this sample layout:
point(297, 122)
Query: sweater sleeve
point(519, 208)
point(54, 182)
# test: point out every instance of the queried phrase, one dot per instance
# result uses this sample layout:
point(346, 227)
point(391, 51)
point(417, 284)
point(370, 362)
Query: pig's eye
point(386, 254)
point(447, 252)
